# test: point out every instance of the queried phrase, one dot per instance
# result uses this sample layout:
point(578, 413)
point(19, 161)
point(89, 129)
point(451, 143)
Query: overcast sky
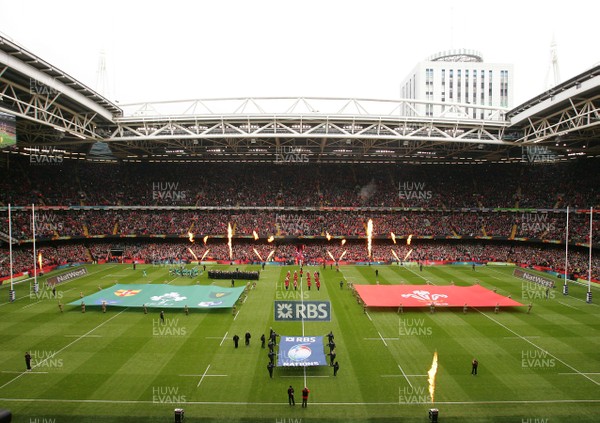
point(175, 49)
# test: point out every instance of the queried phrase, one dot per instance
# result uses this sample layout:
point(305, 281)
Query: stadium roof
point(55, 110)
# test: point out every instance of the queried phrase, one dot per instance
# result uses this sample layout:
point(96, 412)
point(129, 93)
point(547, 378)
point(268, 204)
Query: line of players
point(316, 276)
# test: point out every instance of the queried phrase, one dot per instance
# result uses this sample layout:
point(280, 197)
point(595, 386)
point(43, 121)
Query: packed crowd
point(446, 201)
point(144, 223)
point(318, 185)
point(310, 252)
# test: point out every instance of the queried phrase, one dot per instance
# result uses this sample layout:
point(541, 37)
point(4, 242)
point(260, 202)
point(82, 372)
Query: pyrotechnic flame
point(270, 255)
point(271, 239)
point(205, 239)
point(330, 255)
point(327, 236)
point(191, 236)
point(229, 243)
point(40, 261)
point(343, 254)
point(408, 240)
point(431, 375)
point(395, 255)
point(255, 235)
point(393, 237)
point(256, 252)
point(204, 255)
point(369, 237)
point(343, 242)
point(190, 250)
point(407, 254)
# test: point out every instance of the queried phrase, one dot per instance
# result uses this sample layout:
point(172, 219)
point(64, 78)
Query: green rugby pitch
point(122, 366)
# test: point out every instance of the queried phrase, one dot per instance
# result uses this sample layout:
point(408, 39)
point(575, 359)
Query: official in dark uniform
point(270, 368)
point(474, 365)
point(291, 396)
point(336, 367)
point(272, 356)
point(247, 338)
point(236, 339)
point(332, 355)
point(28, 361)
point(274, 337)
point(262, 340)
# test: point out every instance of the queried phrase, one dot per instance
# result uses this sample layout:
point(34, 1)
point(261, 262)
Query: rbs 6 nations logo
point(311, 311)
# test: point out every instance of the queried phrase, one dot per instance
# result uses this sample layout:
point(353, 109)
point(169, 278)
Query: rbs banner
point(309, 311)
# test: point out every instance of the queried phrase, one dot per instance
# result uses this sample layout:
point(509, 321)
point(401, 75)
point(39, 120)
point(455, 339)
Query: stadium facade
point(459, 77)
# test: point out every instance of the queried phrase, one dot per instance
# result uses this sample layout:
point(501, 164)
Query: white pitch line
point(379, 339)
point(422, 277)
point(568, 305)
point(382, 338)
point(86, 336)
point(64, 348)
point(203, 376)
point(282, 403)
point(583, 373)
point(538, 347)
point(29, 305)
point(236, 315)
point(29, 373)
point(223, 340)
point(368, 316)
point(519, 337)
point(168, 283)
point(584, 301)
point(405, 377)
point(27, 296)
point(301, 376)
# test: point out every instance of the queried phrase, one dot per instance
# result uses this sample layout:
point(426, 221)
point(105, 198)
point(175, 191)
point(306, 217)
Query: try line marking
point(32, 304)
point(25, 280)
